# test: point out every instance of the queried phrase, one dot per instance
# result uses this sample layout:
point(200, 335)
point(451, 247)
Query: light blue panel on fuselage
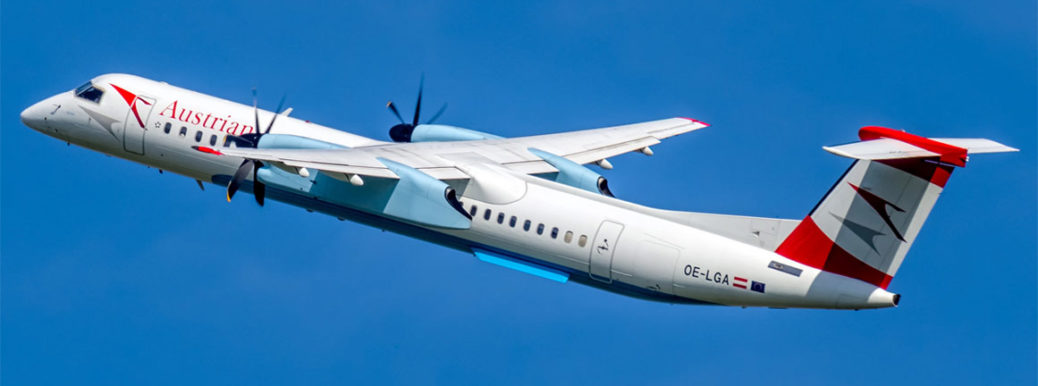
point(521, 266)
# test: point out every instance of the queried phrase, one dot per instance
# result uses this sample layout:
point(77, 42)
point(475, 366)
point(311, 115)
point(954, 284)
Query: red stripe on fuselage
point(208, 150)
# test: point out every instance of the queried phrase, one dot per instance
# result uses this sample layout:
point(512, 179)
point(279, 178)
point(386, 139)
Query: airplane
point(532, 204)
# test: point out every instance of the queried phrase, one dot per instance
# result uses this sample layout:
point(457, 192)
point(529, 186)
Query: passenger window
point(526, 225)
point(511, 222)
point(183, 131)
point(569, 237)
point(540, 229)
point(169, 126)
point(89, 92)
point(582, 241)
point(500, 218)
point(212, 140)
point(198, 136)
point(486, 214)
point(554, 233)
point(473, 210)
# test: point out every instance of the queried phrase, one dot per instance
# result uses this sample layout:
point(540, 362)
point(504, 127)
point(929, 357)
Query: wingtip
point(695, 121)
point(834, 150)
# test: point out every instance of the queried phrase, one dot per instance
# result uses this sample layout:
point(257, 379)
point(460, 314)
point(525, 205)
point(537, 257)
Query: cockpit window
point(89, 92)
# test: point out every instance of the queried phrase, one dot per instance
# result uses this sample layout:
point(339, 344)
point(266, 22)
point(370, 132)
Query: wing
point(441, 160)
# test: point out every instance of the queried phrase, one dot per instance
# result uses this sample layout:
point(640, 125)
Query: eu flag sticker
point(757, 286)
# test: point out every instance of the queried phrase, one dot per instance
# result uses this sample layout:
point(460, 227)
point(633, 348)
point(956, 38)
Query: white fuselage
point(596, 240)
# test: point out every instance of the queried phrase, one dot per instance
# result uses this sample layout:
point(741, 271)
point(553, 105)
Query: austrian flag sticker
point(739, 282)
point(742, 283)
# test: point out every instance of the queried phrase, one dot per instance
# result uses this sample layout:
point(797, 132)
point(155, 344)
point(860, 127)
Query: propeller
point(402, 131)
point(247, 167)
point(252, 139)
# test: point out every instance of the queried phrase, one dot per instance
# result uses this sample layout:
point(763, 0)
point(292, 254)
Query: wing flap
point(612, 150)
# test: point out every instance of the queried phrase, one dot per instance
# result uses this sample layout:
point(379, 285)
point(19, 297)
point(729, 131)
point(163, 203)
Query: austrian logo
point(880, 206)
point(131, 100)
point(194, 117)
point(228, 124)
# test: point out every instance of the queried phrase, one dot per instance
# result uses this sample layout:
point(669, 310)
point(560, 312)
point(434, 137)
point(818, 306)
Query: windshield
point(89, 92)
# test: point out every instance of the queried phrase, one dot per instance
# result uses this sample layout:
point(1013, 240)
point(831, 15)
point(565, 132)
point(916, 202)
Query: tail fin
point(866, 223)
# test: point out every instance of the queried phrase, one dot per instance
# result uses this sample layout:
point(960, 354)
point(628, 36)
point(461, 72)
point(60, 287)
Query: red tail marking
point(940, 176)
point(843, 263)
point(809, 245)
point(937, 174)
point(949, 154)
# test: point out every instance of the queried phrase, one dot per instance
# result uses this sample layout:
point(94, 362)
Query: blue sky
point(115, 274)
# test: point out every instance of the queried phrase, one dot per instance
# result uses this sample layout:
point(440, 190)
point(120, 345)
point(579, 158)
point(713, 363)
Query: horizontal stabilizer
point(977, 145)
point(877, 149)
point(880, 143)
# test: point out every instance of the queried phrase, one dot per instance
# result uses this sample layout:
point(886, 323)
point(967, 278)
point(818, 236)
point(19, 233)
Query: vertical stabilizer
point(865, 225)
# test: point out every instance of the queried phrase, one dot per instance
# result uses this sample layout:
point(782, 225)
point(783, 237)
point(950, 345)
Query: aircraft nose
point(34, 116)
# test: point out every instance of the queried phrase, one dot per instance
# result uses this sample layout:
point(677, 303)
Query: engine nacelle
point(286, 141)
point(420, 198)
point(573, 174)
point(436, 133)
point(415, 197)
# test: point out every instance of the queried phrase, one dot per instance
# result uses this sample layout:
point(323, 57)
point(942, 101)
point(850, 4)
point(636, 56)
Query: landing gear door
point(600, 265)
point(136, 124)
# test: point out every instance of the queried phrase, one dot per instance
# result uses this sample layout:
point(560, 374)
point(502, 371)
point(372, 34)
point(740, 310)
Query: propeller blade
point(438, 113)
point(255, 109)
point(247, 167)
point(259, 190)
point(418, 105)
point(392, 108)
point(276, 113)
